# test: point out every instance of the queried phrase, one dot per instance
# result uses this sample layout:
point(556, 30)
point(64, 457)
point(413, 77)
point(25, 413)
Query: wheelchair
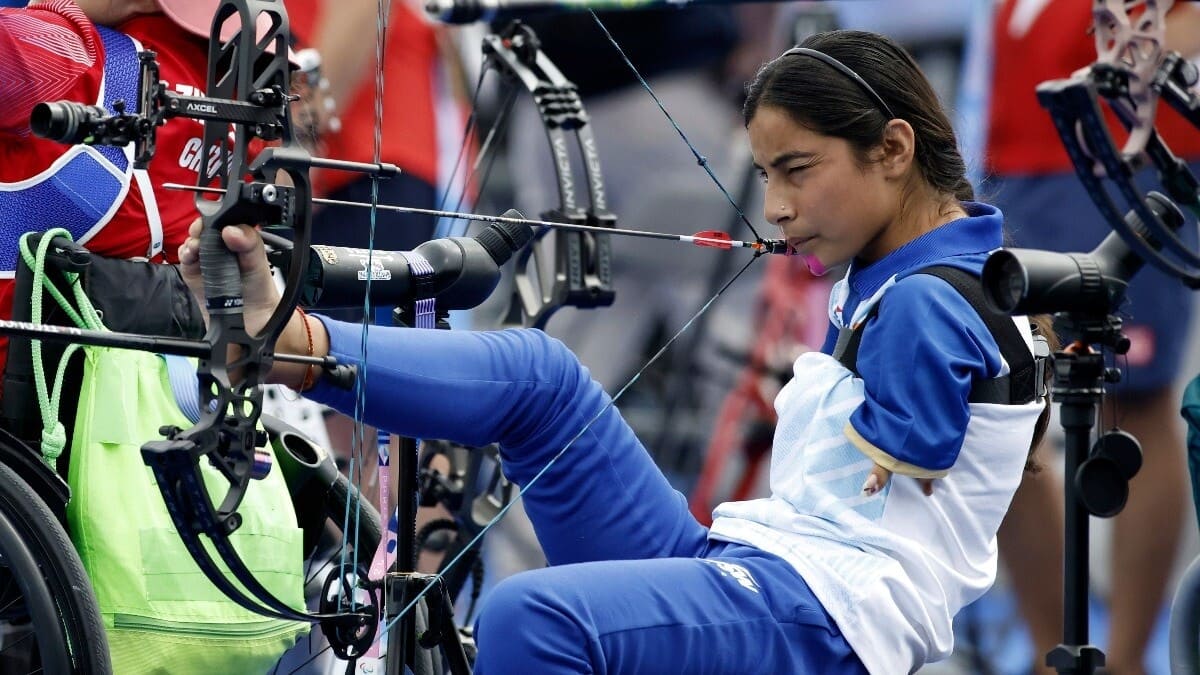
point(50, 621)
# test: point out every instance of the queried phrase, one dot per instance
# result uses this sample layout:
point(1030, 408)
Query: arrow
point(470, 11)
point(706, 238)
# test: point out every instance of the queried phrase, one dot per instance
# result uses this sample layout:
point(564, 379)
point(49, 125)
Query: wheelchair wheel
point(49, 619)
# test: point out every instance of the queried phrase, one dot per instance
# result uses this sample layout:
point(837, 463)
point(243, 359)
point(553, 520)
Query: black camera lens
point(1008, 281)
point(1028, 281)
point(66, 121)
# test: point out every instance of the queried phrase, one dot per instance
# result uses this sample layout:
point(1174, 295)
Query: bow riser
point(1138, 46)
point(247, 71)
point(241, 73)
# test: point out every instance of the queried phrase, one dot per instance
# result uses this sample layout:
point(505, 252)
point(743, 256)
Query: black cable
point(477, 577)
point(434, 526)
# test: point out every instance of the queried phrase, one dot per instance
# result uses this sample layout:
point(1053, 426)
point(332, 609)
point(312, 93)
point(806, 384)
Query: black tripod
point(1096, 478)
point(414, 638)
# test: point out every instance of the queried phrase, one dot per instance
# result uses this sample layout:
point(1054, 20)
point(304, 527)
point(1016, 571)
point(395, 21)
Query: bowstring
point(483, 154)
point(355, 469)
point(700, 159)
point(469, 132)
point(496, 130)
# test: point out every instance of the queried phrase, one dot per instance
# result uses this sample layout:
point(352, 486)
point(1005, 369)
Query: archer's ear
point(899, 149)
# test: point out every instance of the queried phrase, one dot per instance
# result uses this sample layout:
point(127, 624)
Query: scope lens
point(1005, 282)
point(66, 121)
point(50, 120)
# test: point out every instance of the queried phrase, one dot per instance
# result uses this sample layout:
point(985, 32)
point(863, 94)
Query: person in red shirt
point(59, 50)
point(1033, 182)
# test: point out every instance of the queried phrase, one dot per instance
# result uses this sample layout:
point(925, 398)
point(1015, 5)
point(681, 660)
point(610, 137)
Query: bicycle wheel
point(49, 619)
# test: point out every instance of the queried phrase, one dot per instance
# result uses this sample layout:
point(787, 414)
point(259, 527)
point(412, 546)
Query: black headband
point(845, 70)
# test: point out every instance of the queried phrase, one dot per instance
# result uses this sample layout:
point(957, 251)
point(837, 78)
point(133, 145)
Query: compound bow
point(1132, 72)
point(247, 91)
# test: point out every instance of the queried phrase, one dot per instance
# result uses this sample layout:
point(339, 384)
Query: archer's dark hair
point(820, 98)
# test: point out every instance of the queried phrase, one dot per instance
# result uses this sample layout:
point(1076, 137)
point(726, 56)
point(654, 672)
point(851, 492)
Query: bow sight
point(72, 122)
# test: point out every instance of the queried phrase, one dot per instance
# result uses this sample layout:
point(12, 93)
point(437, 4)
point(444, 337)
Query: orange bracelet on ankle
point(307, 382)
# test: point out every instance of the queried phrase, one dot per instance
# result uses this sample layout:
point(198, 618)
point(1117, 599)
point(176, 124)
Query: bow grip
point(222, 276)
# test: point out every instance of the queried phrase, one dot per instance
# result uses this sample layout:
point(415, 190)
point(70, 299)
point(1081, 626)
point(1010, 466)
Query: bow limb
point(571, 268)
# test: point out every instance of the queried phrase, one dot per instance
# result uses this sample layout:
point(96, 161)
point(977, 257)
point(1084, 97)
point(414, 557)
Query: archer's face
point(828, 204)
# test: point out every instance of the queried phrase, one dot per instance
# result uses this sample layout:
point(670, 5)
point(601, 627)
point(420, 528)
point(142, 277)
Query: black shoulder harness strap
point(1018, 387)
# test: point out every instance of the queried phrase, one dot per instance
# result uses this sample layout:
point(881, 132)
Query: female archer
point(894, 461)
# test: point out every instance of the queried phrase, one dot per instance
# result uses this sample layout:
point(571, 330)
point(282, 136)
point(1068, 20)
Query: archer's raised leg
point(602, 499)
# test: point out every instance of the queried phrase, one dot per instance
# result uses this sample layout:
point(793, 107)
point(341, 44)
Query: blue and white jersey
point(893, 568)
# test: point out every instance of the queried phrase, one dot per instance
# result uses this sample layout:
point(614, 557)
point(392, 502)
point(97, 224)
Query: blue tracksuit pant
point(635, 585)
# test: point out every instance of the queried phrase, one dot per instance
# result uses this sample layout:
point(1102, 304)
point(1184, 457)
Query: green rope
point(54, 435)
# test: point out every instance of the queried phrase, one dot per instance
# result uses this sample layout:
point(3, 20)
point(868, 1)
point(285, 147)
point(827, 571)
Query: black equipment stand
point(414, 638)
point(1096, 478)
